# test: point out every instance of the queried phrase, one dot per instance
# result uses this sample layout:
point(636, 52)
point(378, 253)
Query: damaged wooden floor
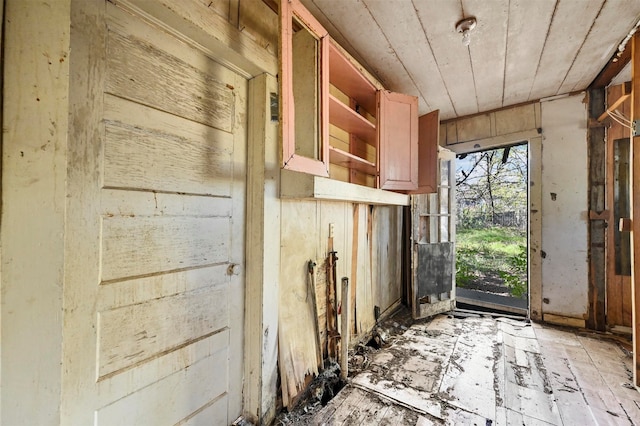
point(485, 371)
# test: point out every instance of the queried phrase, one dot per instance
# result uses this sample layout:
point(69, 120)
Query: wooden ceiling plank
point(452, 58)
point(487, 49)
point(601, 43)
point(571, 23)
point(525, 41)
point(544, 56)
point(402, 28)
point(353, 22)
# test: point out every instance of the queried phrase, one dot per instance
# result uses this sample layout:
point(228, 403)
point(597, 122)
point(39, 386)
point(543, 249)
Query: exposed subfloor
point(485, 371)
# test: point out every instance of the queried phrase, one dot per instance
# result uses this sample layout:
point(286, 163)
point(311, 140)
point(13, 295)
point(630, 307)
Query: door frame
point(262, 270)
point(534, 199)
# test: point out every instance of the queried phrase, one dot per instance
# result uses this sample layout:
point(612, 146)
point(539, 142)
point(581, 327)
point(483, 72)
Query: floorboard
point(491, 371)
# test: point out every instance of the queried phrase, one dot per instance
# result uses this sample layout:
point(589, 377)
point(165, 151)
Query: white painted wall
point(565, 218)
point(34, 165)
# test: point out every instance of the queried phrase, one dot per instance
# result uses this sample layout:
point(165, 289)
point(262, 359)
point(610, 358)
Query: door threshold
point(491, 302)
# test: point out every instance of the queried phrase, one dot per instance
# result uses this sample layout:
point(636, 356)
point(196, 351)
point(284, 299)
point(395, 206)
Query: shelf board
point(295, 185)
point(350, 121)
point(346, 159)
point(346, 77)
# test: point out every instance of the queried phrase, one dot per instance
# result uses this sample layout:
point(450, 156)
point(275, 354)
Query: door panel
point(162, 341)
point(433, 257)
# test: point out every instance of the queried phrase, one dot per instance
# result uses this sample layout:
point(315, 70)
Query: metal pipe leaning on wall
point(311, 269)
point(344, 327)
point(332, 312)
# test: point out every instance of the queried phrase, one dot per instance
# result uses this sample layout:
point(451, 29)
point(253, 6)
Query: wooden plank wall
point(368, 242)
point(82, 167)
point(618, 291)
point(155, 220)
point(386, 246)
point(243, 35)
point(304, 224)
point(504, 126)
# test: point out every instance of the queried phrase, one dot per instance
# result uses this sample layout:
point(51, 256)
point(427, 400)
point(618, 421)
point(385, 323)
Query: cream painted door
point(433, 243)
point(155, 227)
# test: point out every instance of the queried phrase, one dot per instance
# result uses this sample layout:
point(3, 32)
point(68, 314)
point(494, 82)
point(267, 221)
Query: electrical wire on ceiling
point(623, 43)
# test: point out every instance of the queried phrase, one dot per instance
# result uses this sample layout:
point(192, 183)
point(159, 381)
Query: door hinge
point(275, 106)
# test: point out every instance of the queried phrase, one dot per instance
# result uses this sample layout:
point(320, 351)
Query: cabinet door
point(428, 141)
point(398, 138)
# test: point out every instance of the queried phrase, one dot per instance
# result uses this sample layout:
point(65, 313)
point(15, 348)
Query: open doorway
point(492, 228)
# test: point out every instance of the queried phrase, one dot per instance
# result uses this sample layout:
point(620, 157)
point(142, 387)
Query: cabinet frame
point(290, 10)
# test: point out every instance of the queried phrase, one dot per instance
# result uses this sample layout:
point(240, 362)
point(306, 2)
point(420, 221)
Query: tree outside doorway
point(491, 234)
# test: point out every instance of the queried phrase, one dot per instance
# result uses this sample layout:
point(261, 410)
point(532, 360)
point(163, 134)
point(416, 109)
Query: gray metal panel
point(435, 268)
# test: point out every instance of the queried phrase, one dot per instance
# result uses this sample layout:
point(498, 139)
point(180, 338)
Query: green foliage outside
point(491, 241)
point(497, 253)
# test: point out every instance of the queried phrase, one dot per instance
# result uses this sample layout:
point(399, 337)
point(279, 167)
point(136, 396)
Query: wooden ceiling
point(520, 51)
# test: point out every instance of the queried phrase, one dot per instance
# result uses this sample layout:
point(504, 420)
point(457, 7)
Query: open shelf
point(345, 159)
point(348, 79)
point(353, 108)
point(350, 121)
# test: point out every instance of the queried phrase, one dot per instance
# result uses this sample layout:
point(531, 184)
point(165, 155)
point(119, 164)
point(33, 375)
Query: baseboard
point(562, 320)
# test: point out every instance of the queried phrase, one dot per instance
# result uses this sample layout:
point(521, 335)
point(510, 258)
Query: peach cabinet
point(338, 122)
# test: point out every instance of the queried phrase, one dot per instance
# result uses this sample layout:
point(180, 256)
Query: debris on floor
point(480, 370)
point(322, 389)
point(241, 421)
point(327, 384)
point(476, 368)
